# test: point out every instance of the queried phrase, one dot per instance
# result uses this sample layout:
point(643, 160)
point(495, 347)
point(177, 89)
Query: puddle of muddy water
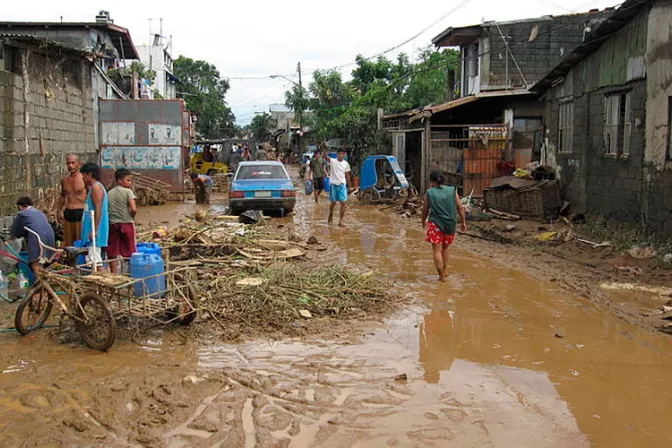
point(492, 358)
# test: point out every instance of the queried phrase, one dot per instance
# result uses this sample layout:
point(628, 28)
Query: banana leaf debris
point(262, 279)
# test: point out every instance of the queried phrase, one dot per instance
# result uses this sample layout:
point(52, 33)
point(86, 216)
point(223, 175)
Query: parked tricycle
point(381, 178)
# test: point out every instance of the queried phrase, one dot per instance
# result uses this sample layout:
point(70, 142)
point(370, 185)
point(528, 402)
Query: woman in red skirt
point(439, 216)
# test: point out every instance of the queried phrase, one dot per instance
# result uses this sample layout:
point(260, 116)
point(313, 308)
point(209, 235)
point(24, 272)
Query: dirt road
point(493, 358)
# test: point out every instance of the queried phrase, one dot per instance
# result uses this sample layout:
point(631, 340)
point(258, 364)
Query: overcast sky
point(259, 38)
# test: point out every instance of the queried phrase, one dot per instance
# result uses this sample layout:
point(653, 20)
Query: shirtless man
point(71, 201)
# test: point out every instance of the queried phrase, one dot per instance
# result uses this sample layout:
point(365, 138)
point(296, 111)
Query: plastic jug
point(326, 184)
point(148, 267)
point(309, 187)
point(149, 248)
point(4, 286)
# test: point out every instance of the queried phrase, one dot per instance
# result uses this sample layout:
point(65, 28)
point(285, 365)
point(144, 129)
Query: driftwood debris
point(503, 215)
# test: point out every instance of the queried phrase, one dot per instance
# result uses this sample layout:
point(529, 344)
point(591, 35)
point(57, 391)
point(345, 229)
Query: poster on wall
point(118, 133)
point(164, 134)
point(141, 157)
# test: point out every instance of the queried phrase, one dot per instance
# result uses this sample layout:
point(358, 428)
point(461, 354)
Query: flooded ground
point(492, 358)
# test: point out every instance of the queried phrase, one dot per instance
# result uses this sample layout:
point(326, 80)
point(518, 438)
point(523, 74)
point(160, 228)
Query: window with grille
point(566, 127)
point(617, 124)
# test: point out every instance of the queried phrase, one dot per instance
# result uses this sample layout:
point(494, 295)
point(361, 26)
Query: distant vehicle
point(217, 166)
point(381, 178)
point(264, 186)
point(222, 158)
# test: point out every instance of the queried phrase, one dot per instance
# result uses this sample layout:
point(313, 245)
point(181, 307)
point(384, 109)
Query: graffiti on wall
point(141, 157)
point(118, 133)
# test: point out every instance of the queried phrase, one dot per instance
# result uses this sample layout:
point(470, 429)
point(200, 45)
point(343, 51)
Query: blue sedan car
point(262, 186)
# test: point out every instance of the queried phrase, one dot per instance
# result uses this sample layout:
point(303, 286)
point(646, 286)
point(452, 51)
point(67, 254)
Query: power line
point(257, 95)
point(415, 36)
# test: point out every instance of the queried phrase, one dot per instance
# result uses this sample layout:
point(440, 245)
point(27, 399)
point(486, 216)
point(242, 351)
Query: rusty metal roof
point(429, 111)
point(121, 37)
point(38, 39)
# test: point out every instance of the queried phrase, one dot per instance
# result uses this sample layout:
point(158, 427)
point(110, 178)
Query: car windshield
point(261, 172)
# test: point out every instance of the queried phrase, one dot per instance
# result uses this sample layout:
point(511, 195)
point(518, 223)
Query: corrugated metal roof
point(429, 111)
point(38, 39)
point(121, 37)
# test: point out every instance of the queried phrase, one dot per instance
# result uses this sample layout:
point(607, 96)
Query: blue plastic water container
point(149, 248)
point(326, 184)
point(309, 187)
point(145, 266)
point(23, 267)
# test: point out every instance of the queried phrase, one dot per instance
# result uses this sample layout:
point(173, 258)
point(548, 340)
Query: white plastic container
point(4, 286)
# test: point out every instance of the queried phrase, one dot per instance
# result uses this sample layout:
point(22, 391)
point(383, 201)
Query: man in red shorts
point(122, 211)
point(439, 217)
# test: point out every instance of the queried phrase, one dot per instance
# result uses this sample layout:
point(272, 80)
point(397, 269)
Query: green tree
point(349, 110)
point(262, 126)
point(204, 92)
point(298, 100)
point(142, 71)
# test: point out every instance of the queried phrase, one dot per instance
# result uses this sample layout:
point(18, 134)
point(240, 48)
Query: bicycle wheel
point(34, 310)
point(95, 322)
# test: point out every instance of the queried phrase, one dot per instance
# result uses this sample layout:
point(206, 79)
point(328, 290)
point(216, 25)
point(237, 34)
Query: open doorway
point(413, 164)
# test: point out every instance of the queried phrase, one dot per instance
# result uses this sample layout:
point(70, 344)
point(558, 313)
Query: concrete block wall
point(591, 180)
point(61, 121)
point(556, 38)
point(614, 184)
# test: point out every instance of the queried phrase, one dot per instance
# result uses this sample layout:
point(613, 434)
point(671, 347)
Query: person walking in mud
point(439, 216)
point(71, 201)
point(338, 185)
point(318, 174)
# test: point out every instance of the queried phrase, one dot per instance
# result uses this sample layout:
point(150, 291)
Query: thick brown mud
point(493, 357)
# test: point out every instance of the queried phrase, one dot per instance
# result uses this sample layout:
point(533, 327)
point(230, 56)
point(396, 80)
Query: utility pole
point(298, 140)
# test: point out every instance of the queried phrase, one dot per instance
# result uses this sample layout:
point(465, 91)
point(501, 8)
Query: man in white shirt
point(338, 184)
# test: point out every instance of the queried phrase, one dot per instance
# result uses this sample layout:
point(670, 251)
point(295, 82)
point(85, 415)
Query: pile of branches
point(274, 298)
point(261, 280)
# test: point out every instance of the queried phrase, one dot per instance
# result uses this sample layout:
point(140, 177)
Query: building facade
point(157, 57)
point(608, 118)
point(51, 77)
point(489, 100)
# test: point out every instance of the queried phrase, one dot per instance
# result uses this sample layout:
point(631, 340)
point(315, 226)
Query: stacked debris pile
point(263, 280)
point(286, 297)
point(408, 208)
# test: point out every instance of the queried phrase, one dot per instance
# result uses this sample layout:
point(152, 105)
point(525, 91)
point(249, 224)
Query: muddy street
point(493, 357)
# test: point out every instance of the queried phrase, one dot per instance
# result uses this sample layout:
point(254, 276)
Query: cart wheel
point(368, 196)
point(187, 310)
point(142, 197)
point(34, 310)
point(96, 323)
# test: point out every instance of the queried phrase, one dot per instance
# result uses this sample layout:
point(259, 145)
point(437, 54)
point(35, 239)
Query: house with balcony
point(490, 116)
